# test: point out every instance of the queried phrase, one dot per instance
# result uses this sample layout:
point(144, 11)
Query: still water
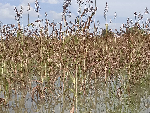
point(116, 95)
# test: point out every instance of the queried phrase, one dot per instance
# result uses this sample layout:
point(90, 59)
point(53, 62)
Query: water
point(95, 96)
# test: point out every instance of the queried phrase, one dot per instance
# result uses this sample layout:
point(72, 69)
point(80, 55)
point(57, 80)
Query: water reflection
point(93, 96)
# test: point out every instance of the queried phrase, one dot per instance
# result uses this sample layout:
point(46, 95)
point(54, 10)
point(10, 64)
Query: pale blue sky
point(124, 9)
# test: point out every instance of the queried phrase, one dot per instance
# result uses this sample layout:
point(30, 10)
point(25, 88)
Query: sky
point(54, 9)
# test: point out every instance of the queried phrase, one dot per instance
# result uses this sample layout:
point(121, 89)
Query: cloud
point(43, 1)
point(7, 11)
point(55, 15)
point(52, 1)
point(28, 1)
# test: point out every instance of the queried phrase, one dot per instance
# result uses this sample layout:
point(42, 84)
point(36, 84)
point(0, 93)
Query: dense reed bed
point(77, 57)
point(98, 56)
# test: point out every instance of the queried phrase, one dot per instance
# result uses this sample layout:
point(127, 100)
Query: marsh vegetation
point(74, 70)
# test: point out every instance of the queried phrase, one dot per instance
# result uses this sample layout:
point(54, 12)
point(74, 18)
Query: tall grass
point(80, 58)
